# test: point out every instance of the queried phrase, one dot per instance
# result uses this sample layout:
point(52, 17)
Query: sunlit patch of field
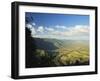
point(76, 53)
point(72, 56)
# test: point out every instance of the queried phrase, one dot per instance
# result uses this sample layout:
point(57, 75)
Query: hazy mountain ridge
point(52, 44)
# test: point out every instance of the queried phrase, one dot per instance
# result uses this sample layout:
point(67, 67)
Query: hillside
point(62, 52)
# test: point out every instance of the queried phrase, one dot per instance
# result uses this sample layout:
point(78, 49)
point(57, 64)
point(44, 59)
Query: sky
point(59, 26)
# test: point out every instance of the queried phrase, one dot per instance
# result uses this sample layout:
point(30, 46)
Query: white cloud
point(79, 30)
point(70, 31)
point(40, 29)
point(75, 32)
point(50, 29)
point(29, 26)
point(33, 24)
point(32, 29)
point(60, 27)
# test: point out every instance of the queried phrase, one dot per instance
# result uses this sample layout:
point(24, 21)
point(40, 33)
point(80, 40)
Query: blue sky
point(65, 26)
point(61, 19)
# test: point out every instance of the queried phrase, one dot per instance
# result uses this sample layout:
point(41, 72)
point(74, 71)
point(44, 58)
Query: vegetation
point(43, 52)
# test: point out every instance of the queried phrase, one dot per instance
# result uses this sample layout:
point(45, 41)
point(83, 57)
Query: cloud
point(60, 27)
point(33, 24)
point(49, 29)
point(69, 31)
point(40, 29)
point(32, 29)
point(29, 26)
point(75, 32)
point(79, 30)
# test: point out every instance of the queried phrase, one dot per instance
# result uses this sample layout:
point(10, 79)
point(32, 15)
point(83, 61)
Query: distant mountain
point(45, 44)
point(53, 44)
